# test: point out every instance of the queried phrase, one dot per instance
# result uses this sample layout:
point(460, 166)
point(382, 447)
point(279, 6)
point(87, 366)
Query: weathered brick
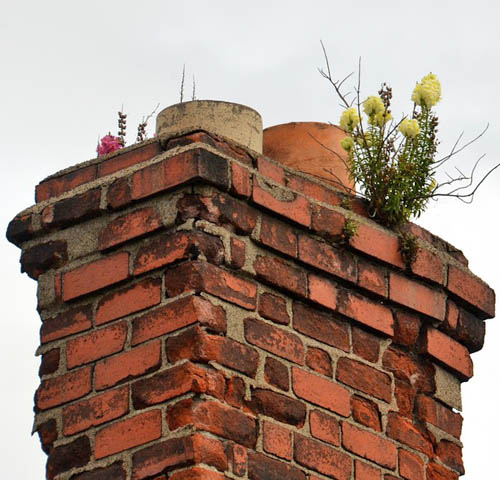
point(470, 331)
point(261, 467)
point(438, 472)
point(58, 390)
point(178, 314)
point(472, 290)
point(235, 391)
point(363, 471)
point(278, 406)
point(328, 222)
point(201, 276)
point(195, 473)
point(238, 254)
point(411, 466)
point(70, 455)
point(119, 193)
point(20, 229)
point(372, 277)
point(321, 458)
point(125, 159)
point(451, 455)
point(281, 201)
point(372, 314)
point(406, 328)
point(271, 170)
point(327, 258)
point(417, 296)
point(322, 291)
point(58, 185)
point(366, 413)
point(313, 189)
point(274, 340)
point(321, 326)
point(114, 471)
point(128, 433)
point(405, 431)
point(240, 180)
point(129, 226)
point(213, 417)
point(278, 236)
point(174, 382)
point(405, 395)
point(127, 365)
point(448, 351)
point(95, 275)
point(370, 446)
point(281, 274)
point(319, 361)
point(47, 432)
point(365, 345)
point(428, 265)
point(94, 411)
point(428, 410)
point(96, 344)
point(43, 257)
point(277, 440)
point(273, 308)
point(239, 460)
point(131, 299)
point(50, 362)
point(324, 427)
point(365, 378)
point(321, 391)
point(276, 374)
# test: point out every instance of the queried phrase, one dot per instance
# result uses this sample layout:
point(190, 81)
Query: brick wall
point(205, 317)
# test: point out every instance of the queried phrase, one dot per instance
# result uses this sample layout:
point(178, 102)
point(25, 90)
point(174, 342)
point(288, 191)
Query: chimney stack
point(205, 316)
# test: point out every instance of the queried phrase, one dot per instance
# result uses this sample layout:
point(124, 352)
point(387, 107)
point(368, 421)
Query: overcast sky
point(67, 67)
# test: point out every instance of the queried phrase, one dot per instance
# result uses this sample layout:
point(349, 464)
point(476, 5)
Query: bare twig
point(182, 81)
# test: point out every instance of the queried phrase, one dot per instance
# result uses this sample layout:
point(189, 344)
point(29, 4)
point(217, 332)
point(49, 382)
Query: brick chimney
point(204, 316)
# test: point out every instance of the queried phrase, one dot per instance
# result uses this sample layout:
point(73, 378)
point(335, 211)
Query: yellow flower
point(347, 144)
point(366, 140)
point(428, 92)
point(373, 105)
point(409, 128)
point(349, 119)
point(380, 119)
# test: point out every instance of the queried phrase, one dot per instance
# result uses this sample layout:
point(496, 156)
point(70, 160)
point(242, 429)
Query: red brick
point(411, 466)
point(72, 321)
point(47, 432)
point(321, 326)
point(50, 362)
point(470, 331)
point(276, 374)
point(377, 243)
point(405, 397)
point(365, 378)
point(70, 455)
point(95, 275)
point(170, 248)
point(240, 460)
point(126, 365)
point(210, 451)
point(58, 390)
point(366, 472)
point(197, 345)
point(129, 226)
point(321, 391)
point(261, 467)
point(406, 328)
point(327, 222)
point(20, 229)
point(370, 446)
point(366, 413)
point(365, 345)
point(325, 428)
point(178, 314)
point(280, 274)
point(428, 265)
point(213, 417)
point(128, 433)
point(235, 391)
point(322, 291)
point(438, 472)
point(277, 440)
point(64, 183)
point(419, 297)
point(196, 473)
point(119, 193)
point(321, 458)
point(451, 455)
point(174, 382)
point(241, 180)
point(372, 277)
point(327, 258)
point(132, 299)
point(237, 253)
point(114, 471)
point(95, 411)
point(319, 361)
point(372, 314)
point(313, 189)
point(273, 308)
point(125, 159)
point(42, 257)
point(472, 290)
point(270, 170)
point(295, 207)
point(412, 370)
point(405, 431)
point(201, 276)
point(448, 351)
point(278, 236)
point(429, 410)
point(278, 406)
point(274, 340)
point(96, 344)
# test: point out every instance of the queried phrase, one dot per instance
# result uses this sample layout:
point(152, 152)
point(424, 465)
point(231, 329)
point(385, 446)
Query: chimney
point(206, 316)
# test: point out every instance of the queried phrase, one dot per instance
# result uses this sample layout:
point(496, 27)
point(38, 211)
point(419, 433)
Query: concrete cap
point(237, 123)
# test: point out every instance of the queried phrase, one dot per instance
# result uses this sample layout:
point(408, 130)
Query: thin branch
point(182, 81)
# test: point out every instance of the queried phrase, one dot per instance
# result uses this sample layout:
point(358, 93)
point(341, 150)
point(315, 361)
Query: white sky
point(66, 68)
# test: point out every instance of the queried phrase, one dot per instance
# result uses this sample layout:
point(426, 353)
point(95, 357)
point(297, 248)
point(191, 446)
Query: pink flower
point(108, 144)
